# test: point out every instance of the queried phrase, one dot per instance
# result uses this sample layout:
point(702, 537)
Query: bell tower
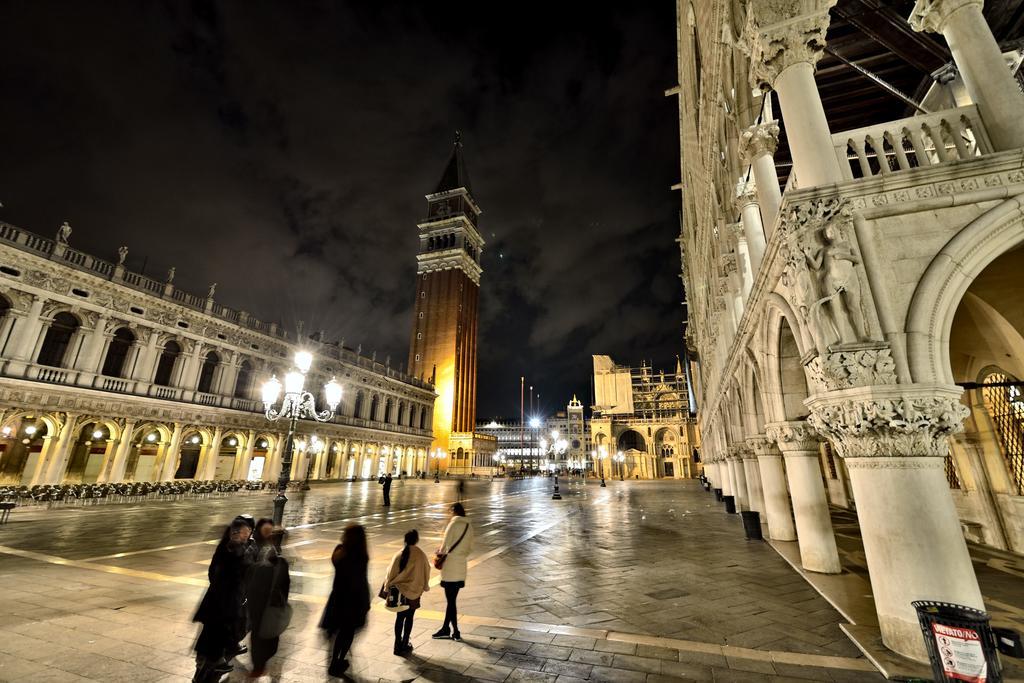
point(444, 333)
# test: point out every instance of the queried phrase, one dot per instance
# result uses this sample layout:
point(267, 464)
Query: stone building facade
point(111, 376)
point(519, 445)
point(643, 416)
point(860, 325)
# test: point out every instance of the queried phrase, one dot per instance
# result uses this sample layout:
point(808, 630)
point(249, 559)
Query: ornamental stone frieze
point(902, 420)
point(780, 33)
point(762, 138)
point(857, 365)
point(793, 436)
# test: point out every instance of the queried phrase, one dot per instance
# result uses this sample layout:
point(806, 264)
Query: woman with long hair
point(222, 610)
point(410, 574)
point(349, 602)
point(267, 597)
point(454, 556)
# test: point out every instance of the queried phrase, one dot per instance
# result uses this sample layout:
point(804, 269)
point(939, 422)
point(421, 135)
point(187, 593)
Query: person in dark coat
point(349, 602)
point(222, 610)
point(387, 490)
point(267, 586)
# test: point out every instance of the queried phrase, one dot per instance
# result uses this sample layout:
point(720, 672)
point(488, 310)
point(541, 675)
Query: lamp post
point(603, 455)
point(311, 451)
point(621, 459)
point(297, 404)
point(436, 457)
point(556, 446)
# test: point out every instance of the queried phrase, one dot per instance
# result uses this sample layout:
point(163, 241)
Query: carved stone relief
point(898, 421)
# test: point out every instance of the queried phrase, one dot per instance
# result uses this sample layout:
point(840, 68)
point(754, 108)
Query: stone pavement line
point(108, 568)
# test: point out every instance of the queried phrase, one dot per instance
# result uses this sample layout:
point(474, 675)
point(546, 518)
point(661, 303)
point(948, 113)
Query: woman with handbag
point(349, 602)
point(409, 573)
point(452, 559)
point(267, 592)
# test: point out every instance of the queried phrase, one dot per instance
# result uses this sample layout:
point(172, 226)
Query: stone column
point(171, 453)
point(149, 356)
point(744, 265)
point(757, 148)
point(26, 332)
point(773, 485)
point(115, 472)
point(272, 468)
point(894, 440)
point(725, 475)
point(752, 473)
point(241, 470)
point(92, 351)
point(784, 49)
point(977, 55)
point(57, 463)
point(739, 476)
point(799, 445)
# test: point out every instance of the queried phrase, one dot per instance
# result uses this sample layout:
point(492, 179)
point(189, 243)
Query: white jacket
point(454, 568)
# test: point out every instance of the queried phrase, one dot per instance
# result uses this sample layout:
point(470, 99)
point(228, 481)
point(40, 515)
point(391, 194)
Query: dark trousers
point(403, 626)
point(342, 644)
point(451, 616)
point(387, 496)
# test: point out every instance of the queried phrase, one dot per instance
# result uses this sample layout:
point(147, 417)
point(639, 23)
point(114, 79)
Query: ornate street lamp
point(621, 459)
point(603, 457)
point(436, 457)
point(297, 404)
point(556, 446)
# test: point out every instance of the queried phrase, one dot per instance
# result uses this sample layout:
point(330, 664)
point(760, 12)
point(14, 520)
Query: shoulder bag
point(439, 558)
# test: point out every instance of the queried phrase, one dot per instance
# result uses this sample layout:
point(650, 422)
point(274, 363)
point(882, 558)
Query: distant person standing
point(452, 559)
point(462, 489)
point(387, 490)
point(410, 574)
point(345, 613)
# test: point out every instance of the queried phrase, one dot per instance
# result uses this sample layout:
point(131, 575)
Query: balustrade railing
point(915, 142)
point(207, 399)
point(115, 384)
point(164, 392)
point(52, 375)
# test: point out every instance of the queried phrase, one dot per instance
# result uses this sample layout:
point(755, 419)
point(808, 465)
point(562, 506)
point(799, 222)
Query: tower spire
point(455, 174)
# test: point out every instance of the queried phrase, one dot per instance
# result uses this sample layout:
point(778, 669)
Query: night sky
point(282, 150)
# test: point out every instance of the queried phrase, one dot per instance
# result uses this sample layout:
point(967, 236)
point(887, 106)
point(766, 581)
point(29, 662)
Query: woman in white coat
point(455, 549)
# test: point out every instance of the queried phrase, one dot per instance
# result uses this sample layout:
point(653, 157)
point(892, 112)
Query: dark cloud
point(283, 151)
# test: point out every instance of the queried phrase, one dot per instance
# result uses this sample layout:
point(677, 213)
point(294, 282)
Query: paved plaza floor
point(639, 581)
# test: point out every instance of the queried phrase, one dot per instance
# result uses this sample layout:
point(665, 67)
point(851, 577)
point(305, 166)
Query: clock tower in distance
point(444, 336)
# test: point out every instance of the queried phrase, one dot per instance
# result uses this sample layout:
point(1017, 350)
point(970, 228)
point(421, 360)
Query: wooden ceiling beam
point(883, 25)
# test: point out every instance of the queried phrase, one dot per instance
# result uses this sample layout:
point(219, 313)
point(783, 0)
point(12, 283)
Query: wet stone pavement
point(639, 581)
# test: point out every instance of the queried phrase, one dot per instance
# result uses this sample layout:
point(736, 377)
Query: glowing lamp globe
point(332, 392)
point(271, 390)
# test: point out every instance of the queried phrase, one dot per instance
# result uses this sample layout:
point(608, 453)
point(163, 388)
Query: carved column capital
point(889, 421)
point(933, 15)
point(793, 436)
point(762, 138)
point(781, 33)
point(760, 445)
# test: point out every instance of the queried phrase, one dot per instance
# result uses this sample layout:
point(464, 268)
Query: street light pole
point(297, 404)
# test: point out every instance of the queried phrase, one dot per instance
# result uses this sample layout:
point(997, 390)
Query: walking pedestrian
point(387, 490)
point(462, 489)
point(266, 598)
point(410, 574)
point(222, 610)
point(349, 602)
point(452, 559)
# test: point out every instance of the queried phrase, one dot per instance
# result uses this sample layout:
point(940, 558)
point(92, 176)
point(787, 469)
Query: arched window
point(374, 404)
point(387, 411)
point(423, 418)
point(165, 366)
point(243, 384)
point(357, 406)
point(57, 340)
point(210, 364)
point(117, 352)
point(1005, 404)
